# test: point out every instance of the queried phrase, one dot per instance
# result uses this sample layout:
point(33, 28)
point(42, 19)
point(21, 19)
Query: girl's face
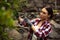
point(44, 14)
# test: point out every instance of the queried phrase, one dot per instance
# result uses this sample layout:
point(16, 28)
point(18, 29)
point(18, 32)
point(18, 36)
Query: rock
point(14, 34)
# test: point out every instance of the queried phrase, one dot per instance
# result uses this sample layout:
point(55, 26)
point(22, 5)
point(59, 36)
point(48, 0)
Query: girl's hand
point(20, 19)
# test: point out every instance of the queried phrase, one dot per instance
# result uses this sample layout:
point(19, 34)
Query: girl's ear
point(49, 16)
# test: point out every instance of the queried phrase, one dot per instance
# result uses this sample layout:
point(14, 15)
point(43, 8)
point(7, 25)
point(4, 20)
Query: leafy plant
point(8, 8)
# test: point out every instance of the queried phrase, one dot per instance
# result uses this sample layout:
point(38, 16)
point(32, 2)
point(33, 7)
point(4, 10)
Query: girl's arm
point(40, 32)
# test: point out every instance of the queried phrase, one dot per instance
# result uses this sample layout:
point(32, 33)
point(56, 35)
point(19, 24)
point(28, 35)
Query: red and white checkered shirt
point(43, 31)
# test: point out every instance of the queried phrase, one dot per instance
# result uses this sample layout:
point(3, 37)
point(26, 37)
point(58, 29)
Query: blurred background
point(10, 10)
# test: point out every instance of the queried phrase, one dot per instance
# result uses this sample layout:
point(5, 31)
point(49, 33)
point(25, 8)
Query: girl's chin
point(42, 18)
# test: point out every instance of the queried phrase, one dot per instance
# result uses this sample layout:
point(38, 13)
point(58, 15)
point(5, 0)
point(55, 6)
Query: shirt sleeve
point(41, 32)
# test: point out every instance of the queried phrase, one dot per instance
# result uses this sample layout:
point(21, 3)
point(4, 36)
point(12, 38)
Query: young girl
point(41, 27)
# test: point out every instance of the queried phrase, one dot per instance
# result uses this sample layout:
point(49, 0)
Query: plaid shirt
point(43, 31)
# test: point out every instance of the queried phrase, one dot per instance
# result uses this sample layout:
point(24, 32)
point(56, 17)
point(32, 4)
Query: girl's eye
point(44, 13)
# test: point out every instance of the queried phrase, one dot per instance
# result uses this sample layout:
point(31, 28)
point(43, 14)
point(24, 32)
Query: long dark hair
point(50, 11)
